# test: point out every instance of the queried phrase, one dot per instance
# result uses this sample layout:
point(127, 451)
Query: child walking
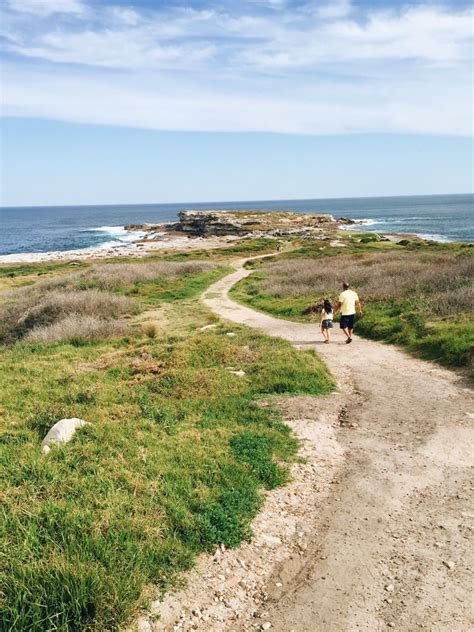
point(326, 320)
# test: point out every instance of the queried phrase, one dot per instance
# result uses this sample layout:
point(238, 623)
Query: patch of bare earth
point(230, 589)
point(375, 531)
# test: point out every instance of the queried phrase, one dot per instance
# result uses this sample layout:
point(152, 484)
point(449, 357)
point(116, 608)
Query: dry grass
point(33, 315)
point(112, 275)
point(75, 327)
point(62, 308)
point(442, 280)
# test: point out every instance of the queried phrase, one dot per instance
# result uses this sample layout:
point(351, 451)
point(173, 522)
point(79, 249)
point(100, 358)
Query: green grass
point(449, 341)
point(171, 465)
point(168, 290)
point(244, 247)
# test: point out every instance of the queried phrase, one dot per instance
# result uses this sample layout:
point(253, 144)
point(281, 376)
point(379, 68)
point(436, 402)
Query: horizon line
point(122, 204)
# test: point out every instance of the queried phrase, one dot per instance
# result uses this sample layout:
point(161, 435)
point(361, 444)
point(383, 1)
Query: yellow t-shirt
point(348, 299)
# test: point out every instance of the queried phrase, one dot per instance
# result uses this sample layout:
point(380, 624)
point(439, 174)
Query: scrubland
point(421, 297)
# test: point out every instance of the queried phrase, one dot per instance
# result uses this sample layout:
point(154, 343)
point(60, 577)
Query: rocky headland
point(251, 224)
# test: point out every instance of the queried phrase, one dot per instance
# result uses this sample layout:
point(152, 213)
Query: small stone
point(266, 626)
point(238, 373)
point(231, 334)
point(390, 624)
point(450, 564)
point(143, 625)
point(389, 587)
point(62, 432)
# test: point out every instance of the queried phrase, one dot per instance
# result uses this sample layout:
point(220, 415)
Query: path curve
point(392, 540)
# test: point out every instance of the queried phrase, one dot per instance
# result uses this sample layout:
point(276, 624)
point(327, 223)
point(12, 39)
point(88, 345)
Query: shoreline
point(143, 246)
point(138, 248)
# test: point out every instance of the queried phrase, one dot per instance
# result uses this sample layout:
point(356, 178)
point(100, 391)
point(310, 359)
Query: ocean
point(58, 228)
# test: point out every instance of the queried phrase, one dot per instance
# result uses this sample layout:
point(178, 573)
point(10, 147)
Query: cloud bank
point(269, 65)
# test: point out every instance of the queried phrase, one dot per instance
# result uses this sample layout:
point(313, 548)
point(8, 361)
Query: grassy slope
point(170, 466)
point(402, 320)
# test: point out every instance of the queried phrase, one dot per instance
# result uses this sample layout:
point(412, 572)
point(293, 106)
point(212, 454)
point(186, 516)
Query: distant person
point(327, 316)
point(347, 304)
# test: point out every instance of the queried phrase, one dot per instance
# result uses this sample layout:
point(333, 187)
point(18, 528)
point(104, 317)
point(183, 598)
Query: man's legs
point(347, 326)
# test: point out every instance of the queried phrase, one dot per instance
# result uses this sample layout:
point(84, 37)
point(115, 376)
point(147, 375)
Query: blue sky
point(149, 101)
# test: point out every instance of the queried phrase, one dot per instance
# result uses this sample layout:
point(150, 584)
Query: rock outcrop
point(241, 223)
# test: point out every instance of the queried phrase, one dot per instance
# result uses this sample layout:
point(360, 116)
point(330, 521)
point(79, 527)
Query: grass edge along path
point(170, 467)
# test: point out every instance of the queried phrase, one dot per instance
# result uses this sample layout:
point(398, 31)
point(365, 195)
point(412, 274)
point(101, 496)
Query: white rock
point(389, 587)
point(450, 564)
point(206, 327)
point(143, 625)
point(266, 626)
point(231, 334)
point(238, 373)
point(62, 432)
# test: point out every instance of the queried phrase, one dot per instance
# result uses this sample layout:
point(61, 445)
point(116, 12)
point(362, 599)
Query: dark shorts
point(347, 322)
point(326, 324)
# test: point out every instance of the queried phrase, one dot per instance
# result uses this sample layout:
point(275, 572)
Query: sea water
point(58, 228)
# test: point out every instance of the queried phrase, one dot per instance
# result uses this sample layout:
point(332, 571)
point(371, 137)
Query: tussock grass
point(171, 465)
point(75, 328)
point(87, 304)
point(443, 280)
point(112, 275)
point(422, 297)
point(44, 318)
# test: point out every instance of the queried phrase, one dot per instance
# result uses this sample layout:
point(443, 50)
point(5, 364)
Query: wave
point(368, 222)
point(116, 235)
point(434, 237)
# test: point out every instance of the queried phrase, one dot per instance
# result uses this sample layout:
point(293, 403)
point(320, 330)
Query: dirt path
point(383, 510)
point(392, 547)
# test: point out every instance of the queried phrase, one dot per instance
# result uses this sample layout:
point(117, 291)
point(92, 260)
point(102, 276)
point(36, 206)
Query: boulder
point(62, 432)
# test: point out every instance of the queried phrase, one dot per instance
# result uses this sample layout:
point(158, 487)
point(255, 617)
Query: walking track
point(392, 539)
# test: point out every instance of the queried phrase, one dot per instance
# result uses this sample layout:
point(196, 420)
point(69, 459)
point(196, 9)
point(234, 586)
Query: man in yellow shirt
point(347, 304)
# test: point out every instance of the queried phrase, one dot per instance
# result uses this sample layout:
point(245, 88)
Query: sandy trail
point(392, 538)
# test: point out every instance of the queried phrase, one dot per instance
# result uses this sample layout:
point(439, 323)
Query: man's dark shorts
point(347, 322)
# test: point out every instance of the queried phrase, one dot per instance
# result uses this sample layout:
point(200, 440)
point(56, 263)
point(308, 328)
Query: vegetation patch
point(420, 297)
point(89, 304)
point(170, 466)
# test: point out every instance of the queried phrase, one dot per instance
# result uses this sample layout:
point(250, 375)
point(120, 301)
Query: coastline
point(149, 240)
point(138, 248)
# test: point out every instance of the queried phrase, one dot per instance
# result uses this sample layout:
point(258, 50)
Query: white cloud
point(159, 102)
point(334, 9)
point(114, 49)
point(322, 68)
point(46, 7)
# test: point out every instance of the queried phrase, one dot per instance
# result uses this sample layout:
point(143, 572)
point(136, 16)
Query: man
point(347, 304)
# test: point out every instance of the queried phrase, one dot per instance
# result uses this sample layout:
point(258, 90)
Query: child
point(326, 320)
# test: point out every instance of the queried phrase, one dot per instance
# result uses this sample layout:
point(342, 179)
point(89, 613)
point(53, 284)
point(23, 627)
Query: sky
point(149, 101)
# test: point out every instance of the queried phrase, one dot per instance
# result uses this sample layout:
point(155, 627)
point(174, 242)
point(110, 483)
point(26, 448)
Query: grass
point(171, 465)
point(419, 296)
point(86, 305)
